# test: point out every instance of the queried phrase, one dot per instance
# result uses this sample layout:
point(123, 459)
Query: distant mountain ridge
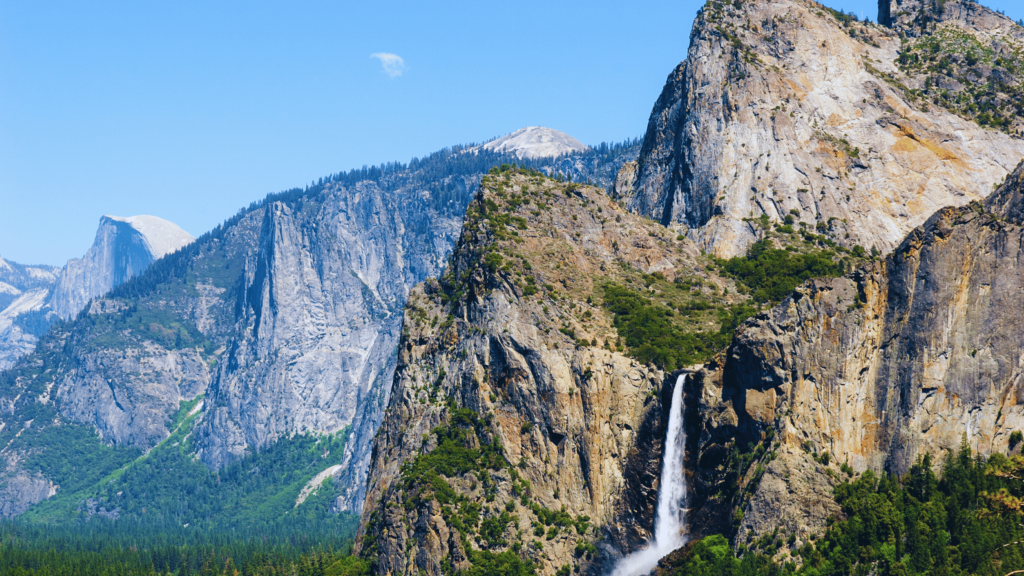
point(123, 248)
point(281, 323)
point(33, 297)
point(23, 291)
point(534, 142)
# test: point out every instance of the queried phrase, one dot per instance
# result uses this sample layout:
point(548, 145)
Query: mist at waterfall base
point(670, 522)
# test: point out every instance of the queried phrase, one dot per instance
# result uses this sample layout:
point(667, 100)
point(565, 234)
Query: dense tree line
point(100, 547)
point(966, 520)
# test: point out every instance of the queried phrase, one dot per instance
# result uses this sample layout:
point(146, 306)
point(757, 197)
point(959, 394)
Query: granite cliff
point(34, 297)
point(860, 131)
point(520, 426)
point(909, 355)
point(319, 314)
point(282, 320)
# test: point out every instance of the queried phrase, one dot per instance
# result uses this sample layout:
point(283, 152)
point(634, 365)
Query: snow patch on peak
point(536, 142)
point(162, 236)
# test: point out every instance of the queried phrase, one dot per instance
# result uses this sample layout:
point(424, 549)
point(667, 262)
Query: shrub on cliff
point(652, 337)
point(771, 274)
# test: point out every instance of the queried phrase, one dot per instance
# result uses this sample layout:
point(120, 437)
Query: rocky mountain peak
point(123, 248)
point(32, 297)
point(788, 108)
point(161, 236)
point(536, 142)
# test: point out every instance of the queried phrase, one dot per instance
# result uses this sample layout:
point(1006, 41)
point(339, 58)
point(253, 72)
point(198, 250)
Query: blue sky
point(191, 110)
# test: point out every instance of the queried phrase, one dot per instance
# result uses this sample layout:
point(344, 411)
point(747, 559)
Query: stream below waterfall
point(670, 522)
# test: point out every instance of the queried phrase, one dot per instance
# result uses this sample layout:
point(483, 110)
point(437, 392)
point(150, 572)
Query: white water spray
point(670, 523)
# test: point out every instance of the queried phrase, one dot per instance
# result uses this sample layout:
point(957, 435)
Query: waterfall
point(670, 522)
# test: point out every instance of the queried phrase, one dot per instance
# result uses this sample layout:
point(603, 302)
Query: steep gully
point(670, 526)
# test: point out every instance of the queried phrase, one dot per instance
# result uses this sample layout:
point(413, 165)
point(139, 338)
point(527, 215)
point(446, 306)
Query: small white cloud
point(392, 63)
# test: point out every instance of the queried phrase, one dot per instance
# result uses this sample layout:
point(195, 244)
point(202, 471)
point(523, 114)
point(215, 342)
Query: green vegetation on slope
point(168, 486)
point(653, 336)
point(533, 233)
point(136, 324)
point(486, 563)
point(72, 455)
point(771, 273)
point(966, 76)
point(966, 521)
point(451, 456)
point(788, 254)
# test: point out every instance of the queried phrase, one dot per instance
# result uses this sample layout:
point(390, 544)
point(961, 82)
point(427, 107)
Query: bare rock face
point(124, 247)
point(34, 297)
point(23, 294)
point(508, 355)
point(907, 356)
point(128, 394)
point(20, 490)
point(320, 317)
point(786, 108)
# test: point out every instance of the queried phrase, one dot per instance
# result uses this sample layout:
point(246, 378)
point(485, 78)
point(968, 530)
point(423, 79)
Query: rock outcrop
point(516, 424)
point(960, 56)
point(907, 356)
point(789, 108)
point(917, 17)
